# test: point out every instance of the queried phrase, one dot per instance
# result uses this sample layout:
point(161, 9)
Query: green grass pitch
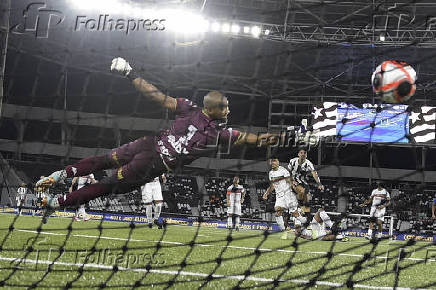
point(120, 255)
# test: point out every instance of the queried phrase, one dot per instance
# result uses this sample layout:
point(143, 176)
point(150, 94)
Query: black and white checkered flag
point(324, 119)
point(422, 122)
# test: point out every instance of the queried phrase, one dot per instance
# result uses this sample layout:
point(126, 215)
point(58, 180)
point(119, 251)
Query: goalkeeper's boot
point(50, 205)
point(55, 177)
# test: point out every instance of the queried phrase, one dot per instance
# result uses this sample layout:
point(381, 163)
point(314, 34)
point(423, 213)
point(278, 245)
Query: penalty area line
point(196, 274)
point(267, 250)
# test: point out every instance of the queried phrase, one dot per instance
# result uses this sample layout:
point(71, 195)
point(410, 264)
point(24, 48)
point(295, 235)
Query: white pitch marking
point(207, 245)
point(197, 274)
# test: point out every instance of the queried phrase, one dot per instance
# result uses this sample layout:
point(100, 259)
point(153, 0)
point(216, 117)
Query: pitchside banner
point(212, 223)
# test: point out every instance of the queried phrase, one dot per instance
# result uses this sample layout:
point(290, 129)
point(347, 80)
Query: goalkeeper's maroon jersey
point(192, 135)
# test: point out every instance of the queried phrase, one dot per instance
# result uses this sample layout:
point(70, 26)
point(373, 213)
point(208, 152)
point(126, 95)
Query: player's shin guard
point(280, 222)
point(149, 213)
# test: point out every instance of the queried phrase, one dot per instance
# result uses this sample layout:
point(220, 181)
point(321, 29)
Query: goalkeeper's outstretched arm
point(259, 140)
point(148, 90)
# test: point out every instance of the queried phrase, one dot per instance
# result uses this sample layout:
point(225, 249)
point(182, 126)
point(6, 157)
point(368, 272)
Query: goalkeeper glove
point(121, 66)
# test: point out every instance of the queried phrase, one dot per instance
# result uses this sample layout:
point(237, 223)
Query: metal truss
point(379, 23)
point(303, 33)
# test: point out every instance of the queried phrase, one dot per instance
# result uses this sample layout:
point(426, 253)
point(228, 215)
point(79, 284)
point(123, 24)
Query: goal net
point(299, 70)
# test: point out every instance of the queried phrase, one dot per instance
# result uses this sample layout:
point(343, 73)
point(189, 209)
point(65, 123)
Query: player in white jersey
point(81, 182)
point(235, 198)
point(280, 181)
point(152, 193)
point(380, 199)
point(300, 167)
point(21, 197)
point(316, 230)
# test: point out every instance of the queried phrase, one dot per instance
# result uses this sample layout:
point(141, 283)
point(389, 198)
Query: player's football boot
point(76, 219)
point(159, 224)
point(86, 219)
point(55, 177)
point(284, 235)
point(50, 205)
point(237, 229)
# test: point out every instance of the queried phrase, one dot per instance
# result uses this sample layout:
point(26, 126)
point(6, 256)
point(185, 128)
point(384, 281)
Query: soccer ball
point(394, 81)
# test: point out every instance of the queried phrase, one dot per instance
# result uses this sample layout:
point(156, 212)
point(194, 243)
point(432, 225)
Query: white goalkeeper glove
point(121, 66)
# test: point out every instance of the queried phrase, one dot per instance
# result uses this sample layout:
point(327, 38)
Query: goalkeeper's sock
point(370, 233)
point(379, 235)
point(280, 222)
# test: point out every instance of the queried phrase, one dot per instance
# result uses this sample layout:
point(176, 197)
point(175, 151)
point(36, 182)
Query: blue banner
point(214, 224)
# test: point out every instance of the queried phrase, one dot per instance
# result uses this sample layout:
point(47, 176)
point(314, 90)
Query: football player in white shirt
point(41, 193)
point(280, 181)
point(21, 197)
point(380, 199)
point(81, 182)
point(316, 230)
point(300, 167)
point(235, 198)
point(152, 192)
